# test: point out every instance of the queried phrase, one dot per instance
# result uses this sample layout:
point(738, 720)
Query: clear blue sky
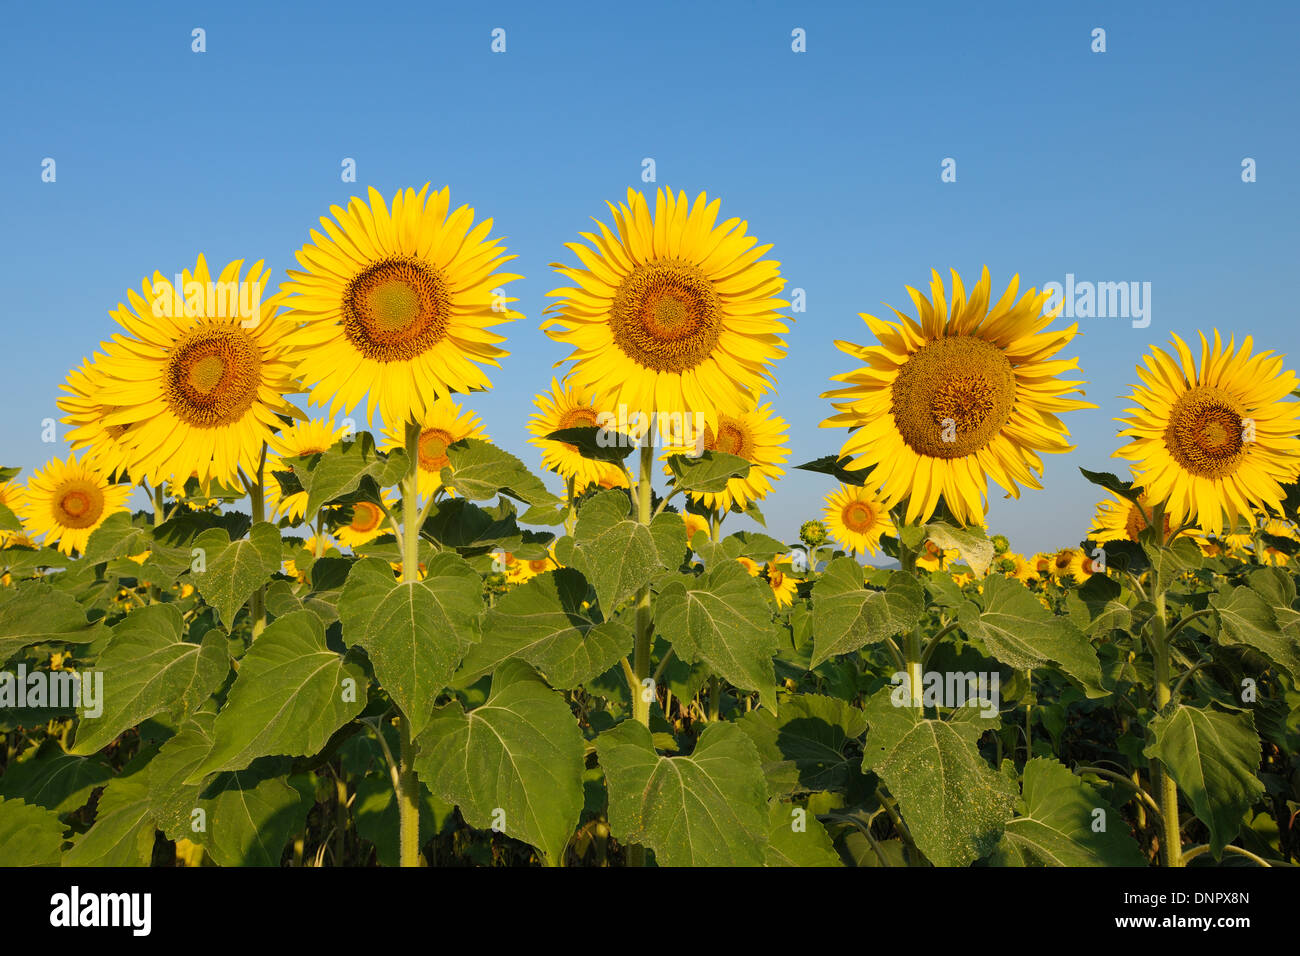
point(1115, 166)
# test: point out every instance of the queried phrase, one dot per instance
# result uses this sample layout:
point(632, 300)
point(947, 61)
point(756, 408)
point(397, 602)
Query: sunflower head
point(783, 586)
point(566, 406)
point(299, 440)
point(194, 384)
point(670, 312)
point(965, 391)
point(1213, 437)
point(856, 519)
point(1120, 519)
point(66, 501)
point(758, 436)
point(442, 424)
point(365, 521)
point(397, 304)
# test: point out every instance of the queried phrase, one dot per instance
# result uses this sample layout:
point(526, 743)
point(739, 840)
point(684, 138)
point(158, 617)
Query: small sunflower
point(198, 379)
point(565, 406)
point(694, 525)
point(107, 447)
point(398, 305)
point(1215, 436)
point(301, 439)
point(750, 565)
point(1042, 564)
point(783, 586)
point(442, 423)
point(758, 436)
point(967, 392)
point(366, 521)
point(1119, 519)
point(673, 314)
point(856, 519)
point(1071, 564)
point(67, 500)
point(537, 566)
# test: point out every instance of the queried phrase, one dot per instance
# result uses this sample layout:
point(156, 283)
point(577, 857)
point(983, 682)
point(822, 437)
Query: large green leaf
point(796, 838)
point(708, 473)
point(233, 570)
point(479, 470)
point(1019, 632)
point(804, 749)
point(253, 813)
point(340, 470)
point(1245, 617)
point(708, 809)
point(615, 553)
point(1213, 755)
point(29, 835)
point(149, 668)
point(547, 623)
point(415, 632)
point(53, 779)
point(722, 618)
point(291, 694)
point(847, 617)
point(953, 803)
point(516, 761)
point(35, 613)
point(972, 544)
point(123, 834)
point(1058, 824)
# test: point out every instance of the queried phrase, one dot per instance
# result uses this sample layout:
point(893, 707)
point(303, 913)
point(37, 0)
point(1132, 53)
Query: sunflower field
point(345, 628)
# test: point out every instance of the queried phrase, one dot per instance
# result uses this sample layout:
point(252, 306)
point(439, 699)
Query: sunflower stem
point(644, 627)
point(257, 496)
point(1171, 841)
point(913, 653)
point(571, 516)
point(407, 787)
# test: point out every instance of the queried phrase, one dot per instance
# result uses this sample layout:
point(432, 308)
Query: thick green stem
point(571, 516)
point(1171, 841)
point(408, 788)
point(644, 626)
point(257, 495)
point(644, 619)
point(913, 652)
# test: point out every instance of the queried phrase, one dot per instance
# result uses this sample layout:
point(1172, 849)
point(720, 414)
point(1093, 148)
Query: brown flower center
point(952, 397)
point(78, 503)
point(366, 517)
point(212, 376)
point(732, 438)
point(433, 449)
point(666, 315)
point(396, 309)
point(1204, 434)
point(858, 516)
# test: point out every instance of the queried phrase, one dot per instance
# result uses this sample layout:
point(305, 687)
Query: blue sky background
point(1122, 166)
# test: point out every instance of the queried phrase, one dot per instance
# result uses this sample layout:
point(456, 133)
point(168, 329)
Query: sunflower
point(758, 436)
point(11, 496)
point(538, 566)
point(967, 392)
point(366, 521)
point(1042, 564)
point(1119, 519)
point(1213, 436)
point(442, 423)
point(106, 447)
point(673, 314)
point(783, 586)
point(398, 305)
point(750, 565)
point(198, 379)
point(1071, 564)
point(1023, 570)
point(565, 406)
point(303, 438)
point(694, 525)
point(67, 500)
point(856, 519)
